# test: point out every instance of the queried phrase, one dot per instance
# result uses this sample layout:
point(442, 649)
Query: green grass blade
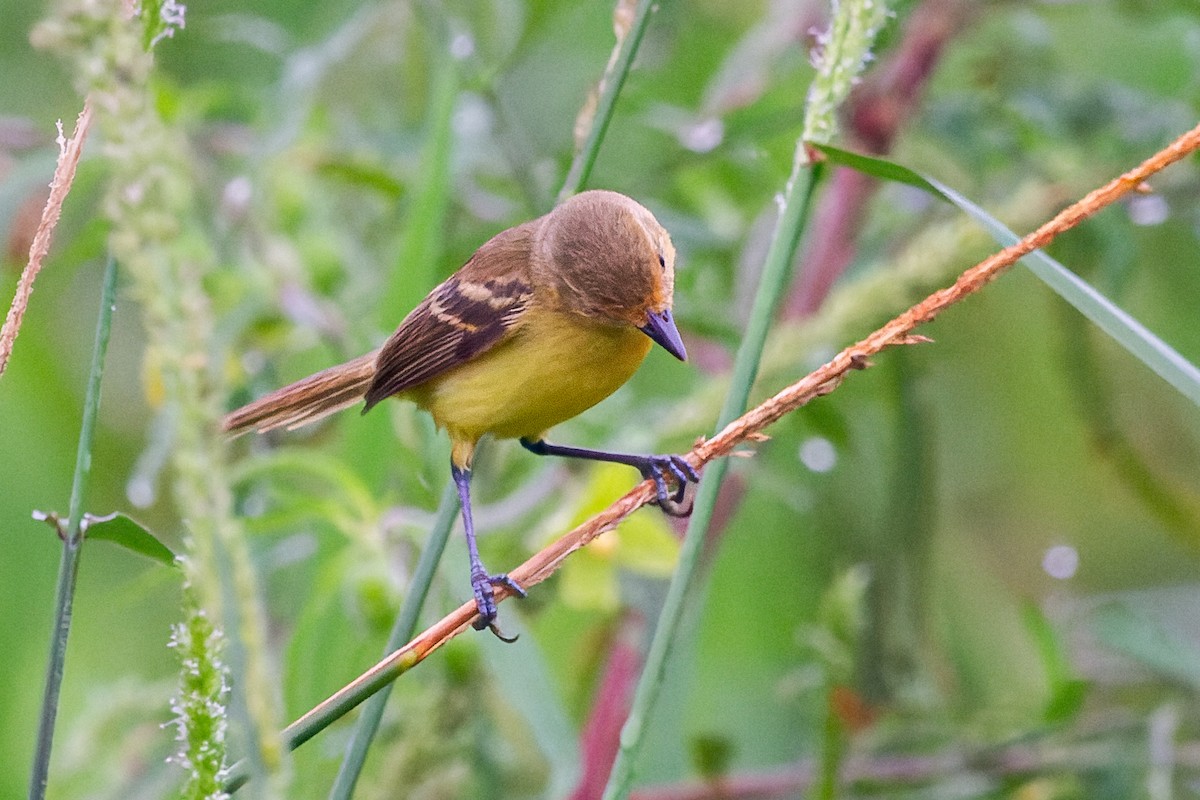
point(612, 81)
point(794, 208)
point(402, 632)
point(124, 530)
point(406, 622)
point(1152, 351)
point(877, 168)
point(1160, 357)
point(419, 263)
point(72, 540)
point(521, 674)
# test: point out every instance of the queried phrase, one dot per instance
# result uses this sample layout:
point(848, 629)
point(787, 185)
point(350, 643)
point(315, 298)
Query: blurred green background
point(1022, 494)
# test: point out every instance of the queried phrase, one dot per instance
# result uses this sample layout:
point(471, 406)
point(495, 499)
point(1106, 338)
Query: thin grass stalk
point(845, 50)
point(794, 206)
point(419, 262)
point(898, 332)
point(421, 245)
point(155, 234)
point(833, 749)
point(312, 723)
point(64, 175)
point(610, 87)
point(68, 568)
point(402, 631)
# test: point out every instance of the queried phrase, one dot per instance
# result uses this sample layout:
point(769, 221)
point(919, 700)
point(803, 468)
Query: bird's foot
point(657, 468)
point(485, 599)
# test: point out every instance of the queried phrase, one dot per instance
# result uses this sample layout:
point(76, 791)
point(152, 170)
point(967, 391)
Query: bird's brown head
point(604, 255)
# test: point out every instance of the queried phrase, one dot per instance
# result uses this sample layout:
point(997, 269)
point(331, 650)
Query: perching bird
point(545, 320)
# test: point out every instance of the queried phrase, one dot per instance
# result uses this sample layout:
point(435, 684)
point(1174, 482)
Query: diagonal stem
point(747, 427)
point(402, 631)
point(610, 87)
point(70, 151)
point(320, 717)
point(794, 207)
point(68, 569)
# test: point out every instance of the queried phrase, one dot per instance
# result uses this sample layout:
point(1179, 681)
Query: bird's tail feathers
point(307, 400)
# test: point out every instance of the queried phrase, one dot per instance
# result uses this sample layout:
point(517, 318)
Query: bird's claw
point(485, 600)
point(657, 468)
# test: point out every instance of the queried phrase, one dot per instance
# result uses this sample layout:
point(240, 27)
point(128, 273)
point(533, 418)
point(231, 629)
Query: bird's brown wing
point(468, 314)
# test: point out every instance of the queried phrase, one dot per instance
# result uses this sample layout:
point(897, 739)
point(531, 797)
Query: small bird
point(545, 320)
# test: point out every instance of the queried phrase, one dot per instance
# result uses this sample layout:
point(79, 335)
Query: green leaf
point(521, 674)
point(1156, 354)
point(1136, 634)
point(130, 534)
point(1066, 700)
point(711, 755)
point(878, 168)
point(363, 174)
point(643, 543)
point(1067, 691)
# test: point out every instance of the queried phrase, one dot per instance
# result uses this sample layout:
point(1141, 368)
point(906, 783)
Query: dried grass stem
point(750, 425)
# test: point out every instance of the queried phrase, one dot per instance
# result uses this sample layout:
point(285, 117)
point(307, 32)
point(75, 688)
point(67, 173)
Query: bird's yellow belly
point(555, 367)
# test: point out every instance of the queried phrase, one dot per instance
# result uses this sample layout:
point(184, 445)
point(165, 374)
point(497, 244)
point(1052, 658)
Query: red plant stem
point(601, 736)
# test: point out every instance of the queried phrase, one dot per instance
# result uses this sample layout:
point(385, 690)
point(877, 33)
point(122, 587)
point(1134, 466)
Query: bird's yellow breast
point(555, 366)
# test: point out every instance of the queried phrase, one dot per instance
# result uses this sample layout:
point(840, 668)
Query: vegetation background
point(969, 572)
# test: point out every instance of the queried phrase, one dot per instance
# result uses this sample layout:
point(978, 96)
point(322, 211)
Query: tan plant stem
point(64, 175)
point(748, 427)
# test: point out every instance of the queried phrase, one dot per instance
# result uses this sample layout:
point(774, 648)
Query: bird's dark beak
point(661, 328)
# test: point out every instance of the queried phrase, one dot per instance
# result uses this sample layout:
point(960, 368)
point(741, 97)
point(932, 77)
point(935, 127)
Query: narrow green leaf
point(877, 168)
point(126, 531)
point(794, 206)
point(365, 175)
point(68, 570)
point(1136, 634)
point(419, 263)
point(1067, 691)
point(1152, 351)
point(612, 82)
